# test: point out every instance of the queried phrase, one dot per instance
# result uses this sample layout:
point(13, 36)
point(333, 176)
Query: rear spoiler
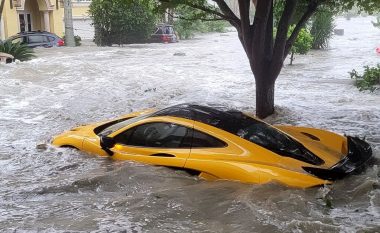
point(358, 158)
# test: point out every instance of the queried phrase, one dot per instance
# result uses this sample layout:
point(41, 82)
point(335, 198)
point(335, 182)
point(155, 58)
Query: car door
point(37, 40)
point(51, 41)
point(158, 143)
point(217, 157)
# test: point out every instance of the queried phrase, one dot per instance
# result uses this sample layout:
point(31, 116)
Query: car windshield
point(114, 126)
point(158, 30)
point(266, 136)
point(246, 127)
point(250, 129)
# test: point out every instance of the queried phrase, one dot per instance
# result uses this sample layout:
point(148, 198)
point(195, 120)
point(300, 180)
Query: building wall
point(10, 22)
point(57, 25)
point(81, 10)
point(31, 7)
point(10, 18)
point(82, 21)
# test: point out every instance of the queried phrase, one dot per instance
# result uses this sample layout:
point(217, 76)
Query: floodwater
point(48, 189)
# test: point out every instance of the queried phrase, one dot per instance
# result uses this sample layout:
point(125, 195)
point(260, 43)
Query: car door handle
point(162, 155)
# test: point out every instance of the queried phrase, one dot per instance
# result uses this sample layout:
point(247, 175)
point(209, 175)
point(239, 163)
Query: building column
point(46, 21)
point(2, 29)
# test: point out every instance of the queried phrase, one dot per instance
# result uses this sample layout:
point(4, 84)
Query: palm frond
point(19, 51)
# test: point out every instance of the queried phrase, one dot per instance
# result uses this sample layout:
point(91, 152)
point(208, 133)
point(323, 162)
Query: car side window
point(24, 40)
point(204, 140)
point(157, 134)
point(18, 39)
point(170, 30)
point(37, 39)
point(158, 30)
point(50, 38)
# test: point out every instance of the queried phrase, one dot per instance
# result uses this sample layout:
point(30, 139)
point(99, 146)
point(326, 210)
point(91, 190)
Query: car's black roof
point(218, 116)
point(33, 33)
point(251, 129)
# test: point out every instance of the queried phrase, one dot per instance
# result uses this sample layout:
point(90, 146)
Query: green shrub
point(370, 80)
point(188, 28)
point(19, 51)
point(77, 40)
point(322, 28)
point(122, 21)
point(303, 43)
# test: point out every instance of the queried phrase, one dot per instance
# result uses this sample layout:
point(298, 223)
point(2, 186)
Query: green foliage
point(122, 21)
point(77, 40)
point(368, 6)
point(322, 23)
point(369, 80)
point(279, 8)
point(322, 28)
point(187, 28)
point(214, 26)
point(277, 11)
point(19, 51)
point(303, 43)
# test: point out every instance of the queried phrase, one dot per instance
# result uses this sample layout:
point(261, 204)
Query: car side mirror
point(106, 143)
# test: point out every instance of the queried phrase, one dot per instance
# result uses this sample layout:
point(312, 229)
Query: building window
point(25, 21)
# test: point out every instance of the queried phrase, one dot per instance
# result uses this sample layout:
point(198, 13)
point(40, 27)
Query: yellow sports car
point(218, 143)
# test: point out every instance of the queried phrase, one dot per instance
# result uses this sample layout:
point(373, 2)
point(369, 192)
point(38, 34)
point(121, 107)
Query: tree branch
point(311, 9)
point(245, 24)
point(268, 49)
point(263, 9)
point(226, 10)
point(282, 34)
point(192, 19)
point(208, 10)
point(199, 7)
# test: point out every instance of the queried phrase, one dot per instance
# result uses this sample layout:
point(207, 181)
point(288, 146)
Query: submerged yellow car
point(219, 143)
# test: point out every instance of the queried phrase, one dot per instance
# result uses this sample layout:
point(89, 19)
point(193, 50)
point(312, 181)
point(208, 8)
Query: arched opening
point(34, 15)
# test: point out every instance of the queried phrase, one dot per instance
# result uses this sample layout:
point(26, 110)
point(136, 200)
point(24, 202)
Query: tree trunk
point(266, 53)
point(291, 58)
point(264, 97)
point(1, 8)
point(69, 28)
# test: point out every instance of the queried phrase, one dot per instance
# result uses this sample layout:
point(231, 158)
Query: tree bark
point(291, 58)
point(264, 96)
point(69, 28)
point(266, 54)
point(1, 8)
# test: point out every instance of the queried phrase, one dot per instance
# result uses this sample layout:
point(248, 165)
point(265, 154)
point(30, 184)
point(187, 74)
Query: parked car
point(164, 33)
point(38, 39)
point(221, 143)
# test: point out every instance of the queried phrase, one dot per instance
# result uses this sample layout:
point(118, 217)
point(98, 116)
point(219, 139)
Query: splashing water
point(47, 189)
